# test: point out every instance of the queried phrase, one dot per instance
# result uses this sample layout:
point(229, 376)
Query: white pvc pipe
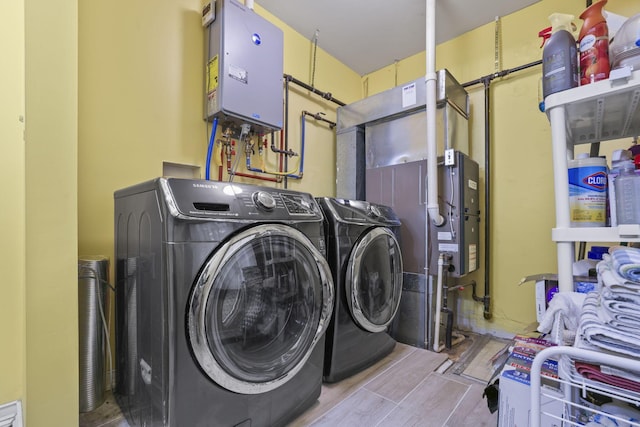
point(431, 80)
point(248, 4)
point(436, 331)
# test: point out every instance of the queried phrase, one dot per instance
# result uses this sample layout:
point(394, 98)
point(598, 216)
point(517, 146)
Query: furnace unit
point(381, 157)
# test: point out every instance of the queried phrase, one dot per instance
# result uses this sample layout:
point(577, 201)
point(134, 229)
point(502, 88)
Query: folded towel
point(620, 308)
point(609, 278)
point(626, 261)
point(594, 331)
point(594, 372)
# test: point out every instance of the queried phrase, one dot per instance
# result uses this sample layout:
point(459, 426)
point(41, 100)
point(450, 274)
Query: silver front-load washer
point(223, 296)
point(366, 261)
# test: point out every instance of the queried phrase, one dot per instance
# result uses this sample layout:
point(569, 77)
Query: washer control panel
point(212, 199)
point(264, 200)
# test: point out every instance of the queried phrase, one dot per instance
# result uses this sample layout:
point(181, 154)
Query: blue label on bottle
point(590, 178)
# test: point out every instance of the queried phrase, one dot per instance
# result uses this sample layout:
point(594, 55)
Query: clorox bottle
point(559, 56)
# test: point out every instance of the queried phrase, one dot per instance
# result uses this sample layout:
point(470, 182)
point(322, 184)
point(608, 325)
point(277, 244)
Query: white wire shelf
point(600, 111)
point(575, 387)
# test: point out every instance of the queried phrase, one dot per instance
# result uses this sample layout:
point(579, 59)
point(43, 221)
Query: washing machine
point(366, 263)
point(223, 296)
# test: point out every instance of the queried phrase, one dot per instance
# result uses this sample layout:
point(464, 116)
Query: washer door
point(374, 279)
point(258, 308)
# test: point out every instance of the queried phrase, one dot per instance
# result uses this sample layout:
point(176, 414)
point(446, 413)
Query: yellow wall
point(12, 309)
point(51, 90)
point(522, 207)
point(140, 103)
point(111, 89)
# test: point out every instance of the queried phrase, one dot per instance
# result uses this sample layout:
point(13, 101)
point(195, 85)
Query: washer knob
point(264, 200)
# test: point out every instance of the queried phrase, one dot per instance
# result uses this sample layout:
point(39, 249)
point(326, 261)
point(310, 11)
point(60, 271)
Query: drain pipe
point(486, 82)
point(433, 209)
point(436, 333)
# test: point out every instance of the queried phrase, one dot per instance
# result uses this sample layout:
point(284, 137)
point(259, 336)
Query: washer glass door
point(258, 307)
point(374, 279)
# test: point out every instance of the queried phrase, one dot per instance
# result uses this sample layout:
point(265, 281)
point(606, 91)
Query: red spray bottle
point(594, 45)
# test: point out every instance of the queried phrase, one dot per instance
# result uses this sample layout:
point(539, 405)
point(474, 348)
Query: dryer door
point(258, 308)
point(374, 279)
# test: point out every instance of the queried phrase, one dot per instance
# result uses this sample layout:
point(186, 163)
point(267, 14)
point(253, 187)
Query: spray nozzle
point(562, 21)
point(545, 34)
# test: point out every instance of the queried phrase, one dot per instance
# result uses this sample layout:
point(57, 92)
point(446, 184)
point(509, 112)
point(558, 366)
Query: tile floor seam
point(379, 424)
point(343, 401)
point(452, 377)
point(335, 406)
point(414, 388)
point(391, 365)
point(405, 397)
point(457, 405)
point(363, 387)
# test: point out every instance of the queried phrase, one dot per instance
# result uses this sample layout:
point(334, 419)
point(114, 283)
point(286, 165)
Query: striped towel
point(626, 261)
point(609, 278)
point(620, 314)
point(617, 339)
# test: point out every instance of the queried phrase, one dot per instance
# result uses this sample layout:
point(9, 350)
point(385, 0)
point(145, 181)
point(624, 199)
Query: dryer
point(223, 297)
point(366, 263)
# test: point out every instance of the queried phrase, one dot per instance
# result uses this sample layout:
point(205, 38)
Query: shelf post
point(561, 153)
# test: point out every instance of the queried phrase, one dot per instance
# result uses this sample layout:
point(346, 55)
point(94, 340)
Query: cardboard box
point(515, 386)
point(515, 401)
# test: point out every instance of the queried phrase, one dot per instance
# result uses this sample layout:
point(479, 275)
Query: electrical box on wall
point(244, 69)
point(459, 236)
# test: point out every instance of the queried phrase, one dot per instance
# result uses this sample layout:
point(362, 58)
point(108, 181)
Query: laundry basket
point(92, 295)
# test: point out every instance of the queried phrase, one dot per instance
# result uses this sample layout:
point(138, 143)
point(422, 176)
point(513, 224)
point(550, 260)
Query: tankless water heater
point(244, 69)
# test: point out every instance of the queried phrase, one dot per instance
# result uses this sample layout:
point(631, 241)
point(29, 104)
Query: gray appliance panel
point(401, 140)
point(386, 129)
point(350, 163)
point(409, 325)
point(404, 139)
point(402, 187)
point(459, 203)
point(401, 100)
point(249, 51)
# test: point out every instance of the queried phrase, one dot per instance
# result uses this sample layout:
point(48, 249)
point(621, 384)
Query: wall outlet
point(449, 158)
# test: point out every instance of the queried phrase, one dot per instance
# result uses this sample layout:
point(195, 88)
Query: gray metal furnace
point(381, 157)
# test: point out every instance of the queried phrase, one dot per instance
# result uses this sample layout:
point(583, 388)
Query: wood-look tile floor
point(403, 389)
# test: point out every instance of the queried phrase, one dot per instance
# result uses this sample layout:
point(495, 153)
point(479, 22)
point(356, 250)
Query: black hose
point(448, 332)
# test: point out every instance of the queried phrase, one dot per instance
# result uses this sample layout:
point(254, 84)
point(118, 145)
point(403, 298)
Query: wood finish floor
point(401, 390)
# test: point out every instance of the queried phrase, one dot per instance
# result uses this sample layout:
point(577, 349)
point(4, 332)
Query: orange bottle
point(594, 45)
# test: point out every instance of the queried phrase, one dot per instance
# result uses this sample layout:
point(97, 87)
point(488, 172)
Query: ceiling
point(369, 38)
